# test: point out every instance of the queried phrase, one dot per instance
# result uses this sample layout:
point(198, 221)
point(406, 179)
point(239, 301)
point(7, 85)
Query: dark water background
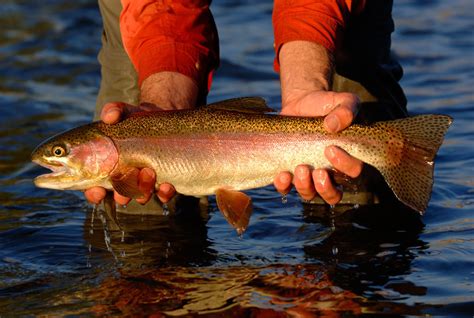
point(58, 256)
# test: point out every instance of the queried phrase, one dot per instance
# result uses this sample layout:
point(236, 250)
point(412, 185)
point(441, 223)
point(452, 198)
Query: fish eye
point(59, 151)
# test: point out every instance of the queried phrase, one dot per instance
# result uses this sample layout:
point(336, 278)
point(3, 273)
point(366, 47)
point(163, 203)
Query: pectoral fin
point(236, 207)
point(125, 182)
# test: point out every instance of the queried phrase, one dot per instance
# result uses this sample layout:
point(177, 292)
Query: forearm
point(304, 67)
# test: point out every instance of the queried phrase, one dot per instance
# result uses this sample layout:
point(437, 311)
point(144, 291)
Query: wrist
point(305, 67)
point(169, 90)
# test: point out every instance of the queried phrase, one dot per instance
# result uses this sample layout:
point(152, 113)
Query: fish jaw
point(59, 171)
point(64, 177)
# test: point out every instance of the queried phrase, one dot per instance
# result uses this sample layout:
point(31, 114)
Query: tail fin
point(411, 179)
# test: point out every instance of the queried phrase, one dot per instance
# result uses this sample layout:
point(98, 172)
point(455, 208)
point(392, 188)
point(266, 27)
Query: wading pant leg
point(118, 83)
point(118, 76)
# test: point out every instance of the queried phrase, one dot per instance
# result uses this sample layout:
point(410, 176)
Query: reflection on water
point(148, 241)
point(352, 263)
point(153, 263)
point(60, 256)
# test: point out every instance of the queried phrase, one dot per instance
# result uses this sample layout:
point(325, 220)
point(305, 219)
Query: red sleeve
point(319, 21)
point(178, 36)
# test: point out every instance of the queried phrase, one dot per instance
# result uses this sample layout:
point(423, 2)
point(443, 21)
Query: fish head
point(79, 159)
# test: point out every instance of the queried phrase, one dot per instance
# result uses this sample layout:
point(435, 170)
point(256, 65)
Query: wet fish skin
point(218, 147)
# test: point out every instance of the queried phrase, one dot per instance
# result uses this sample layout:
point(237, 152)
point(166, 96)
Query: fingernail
point(110, 114)
point(332, 123)
point(327, 108)
point(165, 188)
point(148, 176)
point(97, 198)
point(330, 153)
point(301, 173)
point(113, 111)
point(285, 178)
point(321, 177)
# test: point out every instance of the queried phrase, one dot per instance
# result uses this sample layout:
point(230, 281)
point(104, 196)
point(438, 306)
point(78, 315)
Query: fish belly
point(199, 164)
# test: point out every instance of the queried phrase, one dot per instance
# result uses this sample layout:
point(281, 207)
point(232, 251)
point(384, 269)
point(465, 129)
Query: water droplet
point(91, 225)
point(166, 210)
point(124, 206)
point(240, 232)
point(284, 199)
point(335, 250)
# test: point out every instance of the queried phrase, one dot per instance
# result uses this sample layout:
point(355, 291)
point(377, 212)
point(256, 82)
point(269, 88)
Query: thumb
point(112, 112)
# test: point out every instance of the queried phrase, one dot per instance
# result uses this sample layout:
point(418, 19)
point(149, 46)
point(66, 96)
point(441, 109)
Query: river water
point(59, 255)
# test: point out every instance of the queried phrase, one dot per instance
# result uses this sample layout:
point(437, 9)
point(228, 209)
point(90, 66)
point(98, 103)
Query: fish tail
point(409, 167)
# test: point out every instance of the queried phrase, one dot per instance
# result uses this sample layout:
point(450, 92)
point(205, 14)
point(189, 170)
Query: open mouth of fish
point(57, 168)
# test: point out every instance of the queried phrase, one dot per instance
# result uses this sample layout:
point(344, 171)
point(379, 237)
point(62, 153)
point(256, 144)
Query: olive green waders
point(375, 84)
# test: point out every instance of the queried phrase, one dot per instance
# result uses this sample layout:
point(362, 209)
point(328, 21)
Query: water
point(58, 255)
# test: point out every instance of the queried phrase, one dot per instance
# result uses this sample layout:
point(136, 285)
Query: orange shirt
point(170, 35)
point(320, 21)
point(180, 35)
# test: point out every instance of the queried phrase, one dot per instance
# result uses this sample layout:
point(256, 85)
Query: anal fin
point(236, 207)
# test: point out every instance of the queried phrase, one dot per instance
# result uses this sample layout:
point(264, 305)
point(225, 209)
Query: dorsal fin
point(242, 104)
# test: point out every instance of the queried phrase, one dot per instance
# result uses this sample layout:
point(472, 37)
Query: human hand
point(111, 114)
point(339, 110)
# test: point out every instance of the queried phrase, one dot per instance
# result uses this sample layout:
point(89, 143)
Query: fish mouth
point(58, 169)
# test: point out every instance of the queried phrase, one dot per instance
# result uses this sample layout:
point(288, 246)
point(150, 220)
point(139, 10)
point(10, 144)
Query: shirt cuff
point(320, 22)
point(172, 57)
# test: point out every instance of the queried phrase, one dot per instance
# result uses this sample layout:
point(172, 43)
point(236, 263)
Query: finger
point(112, 112)
point(95, 195)
point(166, 192)
point(314, 104)
point(343, 161)
point(146, 184)
point(120, 199)
point(326, 189)
point(282, 182)
point(304, 183)
point(343, 115)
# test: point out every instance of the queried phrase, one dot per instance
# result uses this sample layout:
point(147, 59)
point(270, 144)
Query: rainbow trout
point(235, 145)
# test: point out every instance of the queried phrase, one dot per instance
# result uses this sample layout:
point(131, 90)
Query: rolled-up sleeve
point(320, 21)
point(175, 36)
